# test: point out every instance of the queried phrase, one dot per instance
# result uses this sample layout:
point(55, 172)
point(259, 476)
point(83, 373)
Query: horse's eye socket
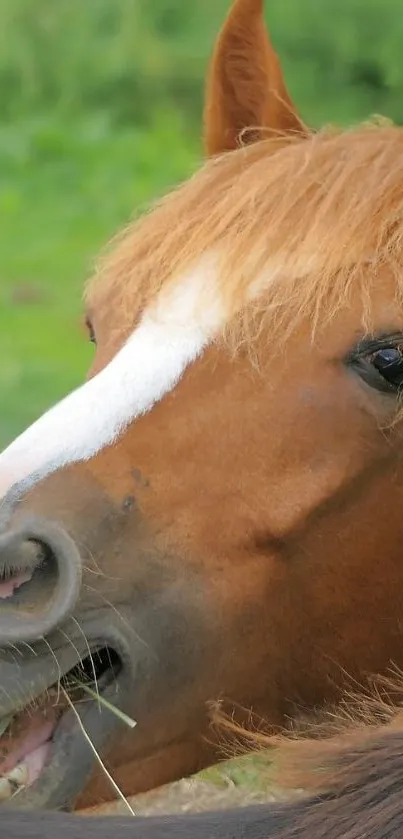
point(388, 361)
point(379, 361)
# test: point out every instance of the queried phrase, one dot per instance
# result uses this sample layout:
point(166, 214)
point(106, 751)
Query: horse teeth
point(6, 789)
point(9, 784)
point(18, 775)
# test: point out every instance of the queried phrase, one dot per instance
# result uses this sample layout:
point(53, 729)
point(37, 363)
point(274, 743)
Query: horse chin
point(55, 759)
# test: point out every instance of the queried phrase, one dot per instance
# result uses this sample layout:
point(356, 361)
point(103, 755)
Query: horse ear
point(245, 86)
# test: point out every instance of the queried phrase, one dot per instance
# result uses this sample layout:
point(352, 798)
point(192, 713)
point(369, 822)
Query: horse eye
point(388, 362)
point(379, 361)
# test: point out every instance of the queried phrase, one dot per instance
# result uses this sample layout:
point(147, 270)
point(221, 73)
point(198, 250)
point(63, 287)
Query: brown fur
point(352, 760)
point(249, 526)
point(360, 794)
point(347, 765)
point(245, 88)
point(342, 187)
point(334, 751)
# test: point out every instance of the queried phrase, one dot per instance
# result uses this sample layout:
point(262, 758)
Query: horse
point(215, 514)
point(357, 793)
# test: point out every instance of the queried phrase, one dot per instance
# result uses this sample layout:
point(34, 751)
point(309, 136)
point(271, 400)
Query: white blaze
point(170, 336)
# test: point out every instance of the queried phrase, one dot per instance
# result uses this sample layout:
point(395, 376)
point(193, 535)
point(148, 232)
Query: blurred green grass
point(62, 195)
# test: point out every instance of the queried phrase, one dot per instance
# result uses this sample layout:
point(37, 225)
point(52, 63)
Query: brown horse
point(216, 512)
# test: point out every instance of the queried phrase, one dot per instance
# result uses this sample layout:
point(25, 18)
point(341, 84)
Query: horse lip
point(72, 760)
point(60, 781)
point(39, 666)
point(37, 672)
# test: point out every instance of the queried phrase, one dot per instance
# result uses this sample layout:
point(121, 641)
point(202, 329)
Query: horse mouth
point(48, 747)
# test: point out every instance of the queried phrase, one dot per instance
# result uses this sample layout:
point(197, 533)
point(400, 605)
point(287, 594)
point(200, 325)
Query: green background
point(100, 104)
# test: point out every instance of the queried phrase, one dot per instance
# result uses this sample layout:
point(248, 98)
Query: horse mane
point(347, 764)
point(293, 224)
point(359, 793)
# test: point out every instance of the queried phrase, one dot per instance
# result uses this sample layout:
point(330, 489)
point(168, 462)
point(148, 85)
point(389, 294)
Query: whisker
point(57, 665)
point(72, 644)
point(31, 649)
point(98, 757)
point(119, 615)
point(14, 647)
point(96, 570)
point(90, 657)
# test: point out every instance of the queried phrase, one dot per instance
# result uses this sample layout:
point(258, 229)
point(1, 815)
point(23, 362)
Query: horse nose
point(40, 580)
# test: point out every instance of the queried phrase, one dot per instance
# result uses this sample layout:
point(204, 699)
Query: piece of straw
point(4, 723)
point(102, 701)
point(98, 757)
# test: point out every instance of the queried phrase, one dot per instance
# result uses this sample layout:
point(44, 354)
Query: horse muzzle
point(40, 580)
point(48, 657)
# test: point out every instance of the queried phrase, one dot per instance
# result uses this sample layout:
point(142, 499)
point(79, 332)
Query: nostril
point(40, 578)
point(18, 563)
point(10, 583)
point(35, 564)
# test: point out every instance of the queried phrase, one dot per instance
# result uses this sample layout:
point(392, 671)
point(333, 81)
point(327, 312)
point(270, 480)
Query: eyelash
point(380, 372)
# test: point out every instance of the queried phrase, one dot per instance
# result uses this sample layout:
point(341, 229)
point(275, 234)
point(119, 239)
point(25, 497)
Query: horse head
point(215, 513)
